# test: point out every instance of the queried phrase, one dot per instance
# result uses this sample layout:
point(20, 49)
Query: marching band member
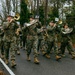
point(66, 40)
point(52, 40)
point(9, 39)
point(32, 38)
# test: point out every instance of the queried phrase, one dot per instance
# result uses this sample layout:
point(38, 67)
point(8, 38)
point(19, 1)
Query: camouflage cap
point(52, 21)
point(9, 16)
point(31, 16)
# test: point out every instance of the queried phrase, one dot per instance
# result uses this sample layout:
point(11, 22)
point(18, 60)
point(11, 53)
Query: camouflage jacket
point(32, 29)
point(65, 35)
point(51, 33)
point(9, 30)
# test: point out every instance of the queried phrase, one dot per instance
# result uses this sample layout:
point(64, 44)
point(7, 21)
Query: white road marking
point(8, 69)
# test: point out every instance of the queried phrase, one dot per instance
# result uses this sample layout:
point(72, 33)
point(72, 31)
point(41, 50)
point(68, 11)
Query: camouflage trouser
point(18, 43)
point(24, 41)
point(31, 43)
point(67, 44)
point(44, 45)
point(1, 47)
point(21, 41)
point(10, 49)
point(39, 44)
point(52, 44)
point(47, 46)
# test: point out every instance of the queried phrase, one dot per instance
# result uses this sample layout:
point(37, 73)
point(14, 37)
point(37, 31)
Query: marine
point(9, 38)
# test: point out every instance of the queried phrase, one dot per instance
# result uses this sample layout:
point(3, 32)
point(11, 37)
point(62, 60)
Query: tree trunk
point(38, 7)
point(8, 6)
point(46, 6)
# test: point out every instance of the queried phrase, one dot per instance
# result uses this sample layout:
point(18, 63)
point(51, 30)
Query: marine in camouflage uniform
point(9, 38)
point(59, 25)
point(52, 40)
point(18, 43)
point(43, 45)
point(1, 42)
point(21, 36)
point(24, 36)
point(66, 40)
point(39, 38)
point(32, 39)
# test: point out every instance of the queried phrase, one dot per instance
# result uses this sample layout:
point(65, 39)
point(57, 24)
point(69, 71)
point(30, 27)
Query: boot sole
point(37, 63)
point(58, 59)
point(13, 66)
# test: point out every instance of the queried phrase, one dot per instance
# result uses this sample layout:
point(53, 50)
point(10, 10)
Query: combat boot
point(28, 58)
point(1, 73)
point(58, 57)
point(43, 52)
point(36, 61)
point(2, 56)
point(62, 55)
point(47, 56)
point(6, 61)
point(73, 53)
point(18, 52)
point(13, 63)
point(73, 56)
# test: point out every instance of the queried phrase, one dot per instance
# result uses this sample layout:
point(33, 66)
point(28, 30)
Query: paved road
point(2, 68)
point(66, 66)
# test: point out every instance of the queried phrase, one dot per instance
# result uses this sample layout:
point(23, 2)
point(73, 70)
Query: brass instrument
point(31, 23)
point(60, 22)
point(66, 31)
point(17, 16)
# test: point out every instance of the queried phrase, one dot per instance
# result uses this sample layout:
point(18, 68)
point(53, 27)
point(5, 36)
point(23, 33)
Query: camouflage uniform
point(66, 42)
point(39, 38)
point(18, 41)
point(10, 39)
point(18, 44)
point(58, 29)
point(52, 41)
point(32, 40)
point(20, 35)
point(24, 36)
point(1, 42)
point(43, 45)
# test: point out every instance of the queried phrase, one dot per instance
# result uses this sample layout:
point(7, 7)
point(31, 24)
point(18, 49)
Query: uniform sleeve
point(1, 33)
point(38, 30)
point(16, 25)
point(5, 25)
point(38, 24)
point(48, 28)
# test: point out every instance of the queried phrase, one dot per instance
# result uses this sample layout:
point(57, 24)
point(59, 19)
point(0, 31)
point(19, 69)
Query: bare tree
point(46, 7)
